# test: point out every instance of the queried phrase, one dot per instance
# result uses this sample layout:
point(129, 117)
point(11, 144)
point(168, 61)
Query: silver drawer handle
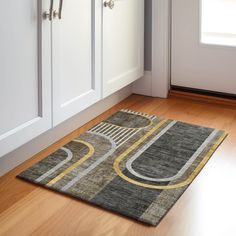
point(110, 4)
point(49, 15)
point(59, 13)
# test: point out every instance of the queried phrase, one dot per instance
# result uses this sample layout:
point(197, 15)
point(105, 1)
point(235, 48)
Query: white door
point(204, 45)
point(123, 43)
point(76, 46)
point(25, 72)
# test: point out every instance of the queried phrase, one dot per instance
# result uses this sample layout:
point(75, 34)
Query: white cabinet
point(76, 42)
point(25, 73)
point(51, 68)
point(123, 44)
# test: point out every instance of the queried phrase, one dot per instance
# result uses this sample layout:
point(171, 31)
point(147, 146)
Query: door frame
point(161, 47)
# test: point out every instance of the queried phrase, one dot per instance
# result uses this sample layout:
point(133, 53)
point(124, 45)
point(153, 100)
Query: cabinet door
point(76, 57)
point(123, 44)
point(25, 72)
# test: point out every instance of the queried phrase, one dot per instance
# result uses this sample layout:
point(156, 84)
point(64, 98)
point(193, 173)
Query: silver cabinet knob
point(109, 4)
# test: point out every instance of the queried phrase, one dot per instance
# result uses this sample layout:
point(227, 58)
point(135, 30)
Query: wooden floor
point(207, 208)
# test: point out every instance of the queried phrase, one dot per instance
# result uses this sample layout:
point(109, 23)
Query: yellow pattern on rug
point(191, 177)
point(75, 165)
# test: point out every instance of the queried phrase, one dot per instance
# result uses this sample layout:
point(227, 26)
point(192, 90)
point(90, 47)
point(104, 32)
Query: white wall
point(156, 81)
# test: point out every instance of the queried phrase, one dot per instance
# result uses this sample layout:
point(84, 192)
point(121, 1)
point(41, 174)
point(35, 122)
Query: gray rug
point(132, 163)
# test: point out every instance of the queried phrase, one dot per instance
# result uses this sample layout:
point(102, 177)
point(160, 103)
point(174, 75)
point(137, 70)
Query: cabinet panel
point(76, 58)
point(123, 44)
point(24, 73)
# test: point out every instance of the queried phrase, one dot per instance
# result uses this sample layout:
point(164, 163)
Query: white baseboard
point(15, 158)
point(143, 86)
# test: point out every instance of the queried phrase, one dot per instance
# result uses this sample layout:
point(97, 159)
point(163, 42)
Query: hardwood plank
point(203, 97)
point(206, 208)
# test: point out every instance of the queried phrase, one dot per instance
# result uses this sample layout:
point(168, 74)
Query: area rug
point(132, 163)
